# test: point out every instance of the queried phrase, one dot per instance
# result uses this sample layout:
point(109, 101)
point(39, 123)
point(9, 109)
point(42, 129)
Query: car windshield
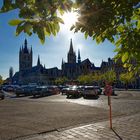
point(74, 88)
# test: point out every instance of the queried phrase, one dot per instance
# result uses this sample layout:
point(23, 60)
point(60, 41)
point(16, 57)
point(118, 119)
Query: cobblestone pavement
point(72, 115)
point(124, 128)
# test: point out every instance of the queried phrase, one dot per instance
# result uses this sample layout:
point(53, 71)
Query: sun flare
point(69, 18)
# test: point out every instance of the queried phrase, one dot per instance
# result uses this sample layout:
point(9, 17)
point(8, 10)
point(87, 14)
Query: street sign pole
point(108, 92)
point(110, 112)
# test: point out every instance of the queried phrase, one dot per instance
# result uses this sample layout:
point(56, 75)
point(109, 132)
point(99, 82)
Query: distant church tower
point(25, 57)
point(71, 54)
point(79, 57)
point(11, 72)
point(38, 61)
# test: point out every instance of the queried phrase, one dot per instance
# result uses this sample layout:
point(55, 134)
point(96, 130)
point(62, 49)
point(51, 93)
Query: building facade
point(72, 68)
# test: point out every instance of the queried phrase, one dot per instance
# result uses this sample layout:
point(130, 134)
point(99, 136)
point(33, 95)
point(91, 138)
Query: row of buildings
point(71, 69)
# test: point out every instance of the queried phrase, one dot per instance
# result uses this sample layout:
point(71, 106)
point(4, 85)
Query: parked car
point(90, 91)
point(53, 89)
point(81, 87)
point(98, 89)
point(8, 88)
point(2, 96)
point(64, 90)
point(41, 91)
point(25, 90)
point(73, 91)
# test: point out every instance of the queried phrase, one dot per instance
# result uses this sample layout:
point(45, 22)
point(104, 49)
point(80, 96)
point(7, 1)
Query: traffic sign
point(108, 90)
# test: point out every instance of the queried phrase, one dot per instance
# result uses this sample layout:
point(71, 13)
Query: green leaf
point(86, 35)
point(60, 20)
point(125, 57)
point(47, 32)
point(15, 22)
point(40, 33)
point(27, 28)
point(138, 25)
point(19, 30)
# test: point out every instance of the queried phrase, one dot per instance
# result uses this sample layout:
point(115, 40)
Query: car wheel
point(2, 97)
point(84, 96)
point(17, 95)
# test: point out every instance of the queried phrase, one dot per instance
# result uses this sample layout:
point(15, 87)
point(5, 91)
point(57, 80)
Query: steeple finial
point(22, 47)
point(25, 41)
point(62, 61)
point(31, 50)
point(79, 57)
point(38, 61)
point(20, 50)
point(71, 46)
point(44, 66)
point(25, 46)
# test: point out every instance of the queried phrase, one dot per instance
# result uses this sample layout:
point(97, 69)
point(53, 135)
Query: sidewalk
point(125, 128)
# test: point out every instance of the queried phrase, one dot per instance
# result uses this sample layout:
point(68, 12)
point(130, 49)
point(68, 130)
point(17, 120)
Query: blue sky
point(52, 52)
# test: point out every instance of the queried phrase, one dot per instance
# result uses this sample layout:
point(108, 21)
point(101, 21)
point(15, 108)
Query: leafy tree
point(127, 78)
point(41, 17)
point(115, 20)
point(85, 79)
point(97, 78)
point(109, 77)
point(1, 80)
point(61, 80)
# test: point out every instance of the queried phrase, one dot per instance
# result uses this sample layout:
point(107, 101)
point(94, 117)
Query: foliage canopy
point(1, 80)
point(115, 20)
point(127, 77)
point(37, 16)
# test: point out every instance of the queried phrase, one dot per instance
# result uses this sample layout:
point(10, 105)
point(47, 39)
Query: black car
point(98, 89)
point(90, 91)
point(25, 90)
point(64, 90)
point(1, 95)
point(73, 91)
point(41, 91)
point(53, 89)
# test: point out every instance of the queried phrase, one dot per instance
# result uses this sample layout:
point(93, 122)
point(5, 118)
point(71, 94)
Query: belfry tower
point(71, 54)
point(25, 57)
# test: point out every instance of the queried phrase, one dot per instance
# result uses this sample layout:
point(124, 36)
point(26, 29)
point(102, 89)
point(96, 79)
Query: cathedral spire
point(20, 50)
point(31, 50)
point(44, 66)
point(62, 61)
point(38, 61)
point(22, 47)
point(25, 42)
point(71, 47)
point(25, 46)
point(71, 54)
point(79, 57)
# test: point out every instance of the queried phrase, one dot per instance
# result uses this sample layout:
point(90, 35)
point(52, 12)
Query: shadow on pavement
point(91, 97)
point(39, 96)
point(73, 97)
point(116, 134)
